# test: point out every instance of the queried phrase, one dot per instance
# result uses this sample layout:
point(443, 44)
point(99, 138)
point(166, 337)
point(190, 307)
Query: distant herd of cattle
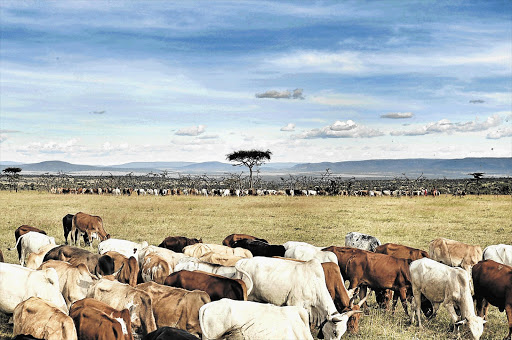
point(238, 193)
point(245, 288)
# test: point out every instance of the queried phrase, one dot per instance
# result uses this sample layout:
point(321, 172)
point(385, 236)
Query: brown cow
point(492, 282)
point(380, 271)
point(97, 320)
point(176, 307)
point(177, 243)
point(401, 251)
point(231, 239)
point(96, 264)
point(126, 269)
point(216, 286)
point(85, 224)
point(454, 253)
point(42, 320)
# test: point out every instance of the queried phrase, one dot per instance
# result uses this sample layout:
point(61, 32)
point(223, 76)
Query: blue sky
point(109, 82)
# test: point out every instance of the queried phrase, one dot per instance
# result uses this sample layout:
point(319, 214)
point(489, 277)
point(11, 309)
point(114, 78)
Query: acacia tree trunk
point(250, 176)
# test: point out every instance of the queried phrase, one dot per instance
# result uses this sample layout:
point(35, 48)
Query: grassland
point(482, 220)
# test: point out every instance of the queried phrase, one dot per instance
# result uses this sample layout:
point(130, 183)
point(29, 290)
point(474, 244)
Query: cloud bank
point(341, 129)
point(295, 94)
point(191, 131)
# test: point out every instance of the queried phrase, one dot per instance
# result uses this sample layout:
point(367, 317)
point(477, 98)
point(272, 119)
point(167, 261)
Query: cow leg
point(508, 310)
point(451, 310)
point(415, 307)
point(481, 306)
point(403, 299)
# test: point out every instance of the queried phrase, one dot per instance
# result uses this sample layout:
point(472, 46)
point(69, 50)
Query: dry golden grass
point(324, 221)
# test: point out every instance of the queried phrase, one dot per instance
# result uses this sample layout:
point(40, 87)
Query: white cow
point(123, 247)
point(31, 242)
point(442, 284)
point(170, 256)
point(253, 320)
point(200, 249)
point(192, 263)
point(307, 253)
point(34, 260)
point(501, 253)
point(18, 283)
point(284, 282)
point(294, 244)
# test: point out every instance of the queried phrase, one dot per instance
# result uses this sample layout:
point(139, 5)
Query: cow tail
point(249, 284)
point(17, 242)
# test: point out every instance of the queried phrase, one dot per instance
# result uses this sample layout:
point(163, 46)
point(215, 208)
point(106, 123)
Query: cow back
point(231, 239)
point(177, 243)
point(22, 230)
point(401, 251)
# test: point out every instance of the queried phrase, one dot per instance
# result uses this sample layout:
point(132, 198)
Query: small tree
point(249, 158)
point(13, 175)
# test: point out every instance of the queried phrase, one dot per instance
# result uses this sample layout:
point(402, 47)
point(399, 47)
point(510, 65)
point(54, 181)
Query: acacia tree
point(250, 159)
point(13, 176)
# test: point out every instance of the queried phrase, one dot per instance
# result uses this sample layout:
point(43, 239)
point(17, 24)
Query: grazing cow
point(177, 243)
point(97, 320)
point(30, 243)
point(154, 268)
point(74, 281)
point(361, 241)
point(168, 255)
point(501, 253)
point(200, 249)
point(307, 253)
point(123, 247)
point(380, 271)
point(126, 269)
point(230, 239)
point(216, 286)
point(193, 264)
point(67, 224)
point(292, 283)
point(34, 260)
point(120, 296)
point(493, 285)
point(454, 253)
point(176, 307)
point(252, 320)
point(260, 248)
point(400, 251)
point(96, 264)
point(442, 284)
point(42, 319)
point(18, 283)
point(85, 224)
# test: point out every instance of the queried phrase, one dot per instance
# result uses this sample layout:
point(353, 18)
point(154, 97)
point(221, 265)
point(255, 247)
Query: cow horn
point(363, 300)
point(115, 273)
point(352, 312)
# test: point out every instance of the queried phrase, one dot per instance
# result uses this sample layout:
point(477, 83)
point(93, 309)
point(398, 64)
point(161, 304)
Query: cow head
point(383, 297)
point(335, 325)
point(475, 324)
point(353, 321)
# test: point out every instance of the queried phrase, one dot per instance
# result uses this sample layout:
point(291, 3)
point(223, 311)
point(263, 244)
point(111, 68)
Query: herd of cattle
point(245, 288)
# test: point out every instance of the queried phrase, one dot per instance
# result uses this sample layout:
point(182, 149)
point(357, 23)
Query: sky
point(111, 82)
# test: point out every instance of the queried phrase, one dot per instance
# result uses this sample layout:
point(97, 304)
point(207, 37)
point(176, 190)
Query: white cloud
point(397, 115)
point(500, 133)
point(191, 131)
point(289, 127)
point(296, 94)
point(339, 129)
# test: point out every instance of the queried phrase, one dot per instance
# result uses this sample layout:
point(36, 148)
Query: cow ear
point(461, 322)
point(320, 334)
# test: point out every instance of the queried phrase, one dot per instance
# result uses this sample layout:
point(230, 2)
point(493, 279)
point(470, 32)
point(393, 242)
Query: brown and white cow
point(177, 243)
point(231, 239)
point(42, 320)
point(22, 230)
point(96, 320)
point(493, 285)
point(454, 253)
point(176, 307)
point(126, 269)
point(401, 251)
point(96, 264)
point(154, 268)
point(216, 286)
point(85, 224)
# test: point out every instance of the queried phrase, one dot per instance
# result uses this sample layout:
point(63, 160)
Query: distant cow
point(454, 253)
point(42, 319)
point(259, 248)
point(361, 241)
point(493, 284)
point(85, 224)
point(96, 264)
point(229, 240)
point(177, 243)
point(166, 333)
point(501, 253)
point(401, 251)
point(216, 286)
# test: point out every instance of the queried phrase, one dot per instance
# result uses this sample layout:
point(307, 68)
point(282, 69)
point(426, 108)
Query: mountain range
point(381, 168)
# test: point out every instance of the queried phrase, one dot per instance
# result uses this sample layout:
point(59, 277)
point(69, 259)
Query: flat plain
point(320, 220)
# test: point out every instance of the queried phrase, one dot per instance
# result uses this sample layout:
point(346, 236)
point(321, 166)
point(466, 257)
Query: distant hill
point(381, 168)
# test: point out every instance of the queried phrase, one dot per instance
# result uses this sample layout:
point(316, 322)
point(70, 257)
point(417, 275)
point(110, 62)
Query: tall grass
point(322, 221)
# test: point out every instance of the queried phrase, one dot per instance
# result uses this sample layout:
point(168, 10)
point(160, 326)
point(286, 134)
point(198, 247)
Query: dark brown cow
point(177, 243)
point(492, 282)
point(1, 256)
point(216, 286)
point(96, 320)
point(96, 264)
point(166, 333)
point(401, 251)
point(85, 224)
point(260, 248)
point(380, 271)
point(229, 240)
point(127, 269)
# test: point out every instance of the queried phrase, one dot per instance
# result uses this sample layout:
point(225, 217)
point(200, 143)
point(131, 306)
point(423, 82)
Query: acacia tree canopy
point(249, 158)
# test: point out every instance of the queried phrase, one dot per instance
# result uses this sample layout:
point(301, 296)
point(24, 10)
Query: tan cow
point(34, 260)
point(74, 280)
point(170, 256)
point(200, 249)
point(126, 270)
point(120, 296)
point(176, 307)
point(454, 253)
point(85, 224)
point(42, 320)
point(221, 259)
point(154, 268)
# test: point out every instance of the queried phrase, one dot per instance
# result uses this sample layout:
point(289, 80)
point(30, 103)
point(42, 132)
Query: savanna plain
point(322, 221)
